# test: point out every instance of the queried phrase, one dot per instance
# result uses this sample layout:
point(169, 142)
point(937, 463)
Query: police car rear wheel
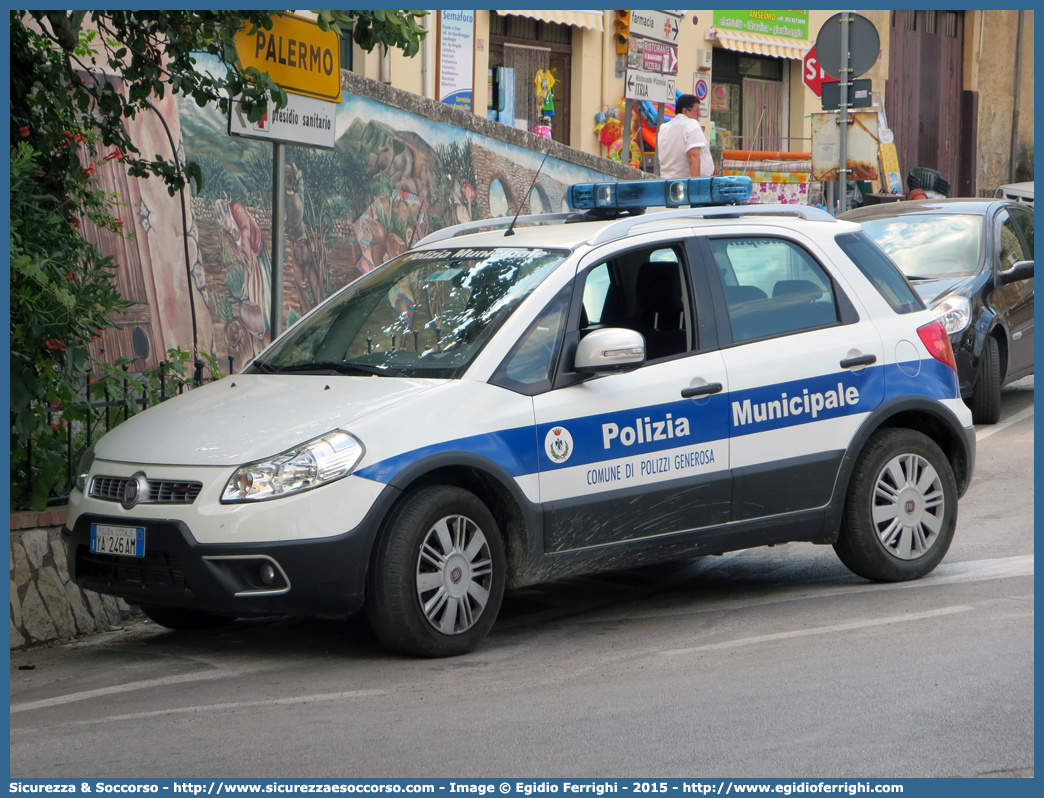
point(901, 508)
point(182, 620)
point(438, 576)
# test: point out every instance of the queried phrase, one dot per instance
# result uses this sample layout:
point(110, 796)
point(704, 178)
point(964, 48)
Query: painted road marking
point(221, 673)
point(945, 574)
point(272, 702)
point(1022, 415)
point(819, 630)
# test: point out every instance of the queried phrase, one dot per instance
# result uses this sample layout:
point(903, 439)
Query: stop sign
point(812, 74)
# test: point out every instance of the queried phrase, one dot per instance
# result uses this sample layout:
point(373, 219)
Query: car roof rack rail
point(500, 221)
point(622, 227)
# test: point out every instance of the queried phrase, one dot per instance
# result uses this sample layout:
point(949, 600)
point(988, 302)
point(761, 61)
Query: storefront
point(531, 67)
point(950, 99)
point(755, 68)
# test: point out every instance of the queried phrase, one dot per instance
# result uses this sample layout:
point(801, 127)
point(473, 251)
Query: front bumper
point(967, 359)
point(316, 577)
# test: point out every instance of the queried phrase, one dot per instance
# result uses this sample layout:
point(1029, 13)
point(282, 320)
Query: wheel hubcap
point(454, 574)
point(908, 506)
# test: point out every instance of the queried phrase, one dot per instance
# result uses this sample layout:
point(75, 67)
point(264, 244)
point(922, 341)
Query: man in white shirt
point(682, 147)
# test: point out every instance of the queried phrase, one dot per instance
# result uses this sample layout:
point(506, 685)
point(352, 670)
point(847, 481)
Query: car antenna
point(511, 231)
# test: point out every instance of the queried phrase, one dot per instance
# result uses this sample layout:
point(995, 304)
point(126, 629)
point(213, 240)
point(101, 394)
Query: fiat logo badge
point(910, 505)
point(456, 574)
point(133, 491)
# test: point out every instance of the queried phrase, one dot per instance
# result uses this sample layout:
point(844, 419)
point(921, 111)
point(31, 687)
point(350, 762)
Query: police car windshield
point(425, 314)
point(933, 245)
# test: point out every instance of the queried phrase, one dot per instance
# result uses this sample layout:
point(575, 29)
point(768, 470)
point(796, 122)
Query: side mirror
point(609, 351)
point(1022, 270)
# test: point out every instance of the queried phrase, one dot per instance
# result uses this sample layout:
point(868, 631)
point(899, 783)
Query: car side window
point(1010, 246)
point(643, 290)
point(1024, 217)
point(596, 296)
point(772, 287)
point(527, 369)
point(879, 269)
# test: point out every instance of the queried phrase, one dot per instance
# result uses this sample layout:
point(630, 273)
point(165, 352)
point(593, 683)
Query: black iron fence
point(95, 417)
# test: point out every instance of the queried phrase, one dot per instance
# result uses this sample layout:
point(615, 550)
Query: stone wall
point(45, 604)
point(426, 108)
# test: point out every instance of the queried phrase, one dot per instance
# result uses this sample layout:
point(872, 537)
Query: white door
point(625, 456)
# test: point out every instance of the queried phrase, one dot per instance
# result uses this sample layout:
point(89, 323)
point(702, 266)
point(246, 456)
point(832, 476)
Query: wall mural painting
point(392, 178)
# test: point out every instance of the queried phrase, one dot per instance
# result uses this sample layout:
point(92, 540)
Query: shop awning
point(582, 19)
point(775, 46)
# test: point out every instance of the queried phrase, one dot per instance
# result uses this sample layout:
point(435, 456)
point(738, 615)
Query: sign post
point(304, 121)
point(652, 67)
point(298, 55)
point(652, 56)
point(812, 73)
point(305, 61)
point(649, 86)
point(278, 235)
point(658, 25)
point(842, 115)
point(847, 46)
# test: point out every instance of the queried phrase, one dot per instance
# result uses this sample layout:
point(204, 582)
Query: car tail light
point(937, 342)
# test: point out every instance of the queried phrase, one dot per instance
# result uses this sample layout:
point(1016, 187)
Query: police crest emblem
point(558, 444)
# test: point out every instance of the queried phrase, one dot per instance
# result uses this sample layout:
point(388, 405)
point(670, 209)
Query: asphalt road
point(773, 662)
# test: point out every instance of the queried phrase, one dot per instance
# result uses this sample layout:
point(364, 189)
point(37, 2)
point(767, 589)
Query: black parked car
point(972, 263)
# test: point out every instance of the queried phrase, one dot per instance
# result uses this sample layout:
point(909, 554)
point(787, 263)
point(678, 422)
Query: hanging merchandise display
point(607, 126)
point(545, 83)
point(617, 147)
point(609, 130)
point(648, 113)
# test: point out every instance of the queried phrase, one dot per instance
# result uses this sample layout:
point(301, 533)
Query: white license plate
point(128, 541)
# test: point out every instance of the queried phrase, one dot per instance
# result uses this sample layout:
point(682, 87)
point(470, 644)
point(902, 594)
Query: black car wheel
point(438, 575)
point(901, 508)
point(184, 620)
point(985, 402)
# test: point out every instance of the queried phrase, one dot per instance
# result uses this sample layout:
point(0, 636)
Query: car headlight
point(954, 312)
point(84, 469)
point(302, 468)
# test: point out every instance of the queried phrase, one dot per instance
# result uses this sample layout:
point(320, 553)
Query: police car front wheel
point(438, 576)
point(901, 508)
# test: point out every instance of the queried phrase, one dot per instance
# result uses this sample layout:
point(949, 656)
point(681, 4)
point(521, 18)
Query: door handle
point(701, 390)
point(865, 360)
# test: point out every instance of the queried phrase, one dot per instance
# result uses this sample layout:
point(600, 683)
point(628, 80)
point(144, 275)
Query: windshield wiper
point(914, 278)
point(339, 366)
point(265, 367)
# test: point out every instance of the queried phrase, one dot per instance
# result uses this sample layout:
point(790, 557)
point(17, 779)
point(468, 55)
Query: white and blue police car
point(577, 392)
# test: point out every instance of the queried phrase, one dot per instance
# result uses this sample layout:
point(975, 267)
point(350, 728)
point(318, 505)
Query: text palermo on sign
point(297, 55)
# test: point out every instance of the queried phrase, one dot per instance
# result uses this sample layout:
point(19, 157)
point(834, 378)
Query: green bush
point(62, 295)
point(66, 114)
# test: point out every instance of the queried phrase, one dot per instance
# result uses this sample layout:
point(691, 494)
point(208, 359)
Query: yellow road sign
point(298, 55)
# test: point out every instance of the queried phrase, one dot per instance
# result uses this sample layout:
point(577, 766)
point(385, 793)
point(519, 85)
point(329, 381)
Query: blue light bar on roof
point(723, 190)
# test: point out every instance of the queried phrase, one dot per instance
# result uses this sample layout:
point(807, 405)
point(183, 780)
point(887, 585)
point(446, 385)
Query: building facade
point(956, 86)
